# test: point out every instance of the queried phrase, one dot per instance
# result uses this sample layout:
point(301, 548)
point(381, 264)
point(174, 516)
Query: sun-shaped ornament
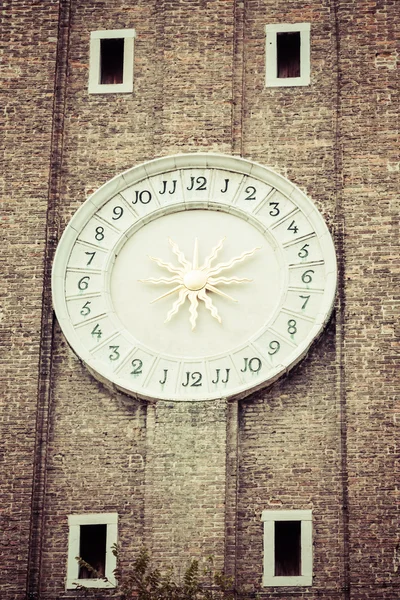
point(194, 281)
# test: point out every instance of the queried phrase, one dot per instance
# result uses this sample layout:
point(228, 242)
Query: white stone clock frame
point(106, 308)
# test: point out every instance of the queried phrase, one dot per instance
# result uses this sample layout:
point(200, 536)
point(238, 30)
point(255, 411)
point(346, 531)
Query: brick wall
point(28, 49)
point(370, 95)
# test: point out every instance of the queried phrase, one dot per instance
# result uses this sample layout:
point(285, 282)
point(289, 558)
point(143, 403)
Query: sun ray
point(217, 291)
point(209, 305)
point(180, 256)
point(225, 280)
point(195, 261)
point(175, 279)
point(165, 265)
point(223, 266)
point(193, 308)
point(177, 304)
point(175, 289)
point(213, 254)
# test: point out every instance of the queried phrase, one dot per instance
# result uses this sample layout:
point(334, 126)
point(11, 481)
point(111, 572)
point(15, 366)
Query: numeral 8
point(99, 234)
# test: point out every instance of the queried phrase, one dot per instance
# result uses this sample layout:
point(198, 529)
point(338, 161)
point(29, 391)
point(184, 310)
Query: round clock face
point(194, 277)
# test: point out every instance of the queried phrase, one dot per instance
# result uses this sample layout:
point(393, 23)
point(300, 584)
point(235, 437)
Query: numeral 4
point(97, 331)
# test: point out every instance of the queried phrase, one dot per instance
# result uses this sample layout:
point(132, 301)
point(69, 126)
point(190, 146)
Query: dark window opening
point(288, 54)
point(92, 550)
point(287, 548)
point(112, 60)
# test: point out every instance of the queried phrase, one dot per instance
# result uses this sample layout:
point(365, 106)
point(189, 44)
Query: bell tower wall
point(189, 480)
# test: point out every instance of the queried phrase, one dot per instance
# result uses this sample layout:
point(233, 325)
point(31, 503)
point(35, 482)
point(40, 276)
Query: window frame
point(269, 517)
point(271, 62)
point(128, 35)
point(75, 522)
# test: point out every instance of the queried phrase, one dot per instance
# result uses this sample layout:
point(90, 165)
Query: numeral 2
point(251, 191)
point(137, 366)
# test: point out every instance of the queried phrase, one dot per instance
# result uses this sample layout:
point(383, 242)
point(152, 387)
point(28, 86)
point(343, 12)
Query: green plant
point(142, 582)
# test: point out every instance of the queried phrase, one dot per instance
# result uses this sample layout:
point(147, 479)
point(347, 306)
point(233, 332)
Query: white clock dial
point(194, 277)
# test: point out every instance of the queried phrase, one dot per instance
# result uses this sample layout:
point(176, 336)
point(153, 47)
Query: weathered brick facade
point(190, 480)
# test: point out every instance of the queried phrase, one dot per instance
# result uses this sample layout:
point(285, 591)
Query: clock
point(194, 277)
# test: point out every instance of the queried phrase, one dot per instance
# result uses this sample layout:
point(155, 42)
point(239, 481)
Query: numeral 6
point(83, 283)
point(306, 277)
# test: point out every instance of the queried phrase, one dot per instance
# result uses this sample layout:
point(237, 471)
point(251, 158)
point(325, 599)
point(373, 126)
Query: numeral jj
point(164, 189)
point(217, 379)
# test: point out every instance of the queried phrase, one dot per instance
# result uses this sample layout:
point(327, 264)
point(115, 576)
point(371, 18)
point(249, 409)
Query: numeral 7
point(306, 298)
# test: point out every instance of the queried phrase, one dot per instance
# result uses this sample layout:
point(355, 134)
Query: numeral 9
point(274, 345)
point(118, 211)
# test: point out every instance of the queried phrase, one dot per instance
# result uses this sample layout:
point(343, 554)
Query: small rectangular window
point(91, 537)
point(287, 55)
point(111, 61)
point(92, 549)
point(287, 547)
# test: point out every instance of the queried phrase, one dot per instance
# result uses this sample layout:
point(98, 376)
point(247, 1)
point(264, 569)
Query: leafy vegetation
point(142, 582)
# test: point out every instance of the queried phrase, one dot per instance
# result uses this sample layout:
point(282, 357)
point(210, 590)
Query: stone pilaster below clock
point(190, 483)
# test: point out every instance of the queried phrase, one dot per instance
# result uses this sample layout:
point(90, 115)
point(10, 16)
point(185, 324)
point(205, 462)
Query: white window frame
point(271, 63)
point(269, 517)
point(126, 86)
point(75, 522)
